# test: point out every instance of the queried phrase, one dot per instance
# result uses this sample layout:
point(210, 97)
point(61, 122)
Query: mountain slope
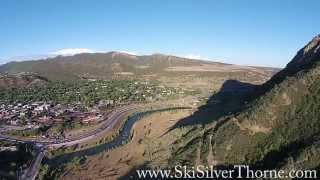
point(279, 129)
point(20, 80)
point(119, 65)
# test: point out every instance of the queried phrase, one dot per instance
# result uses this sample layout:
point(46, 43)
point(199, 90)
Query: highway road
point(4, 128)
point(31, 172)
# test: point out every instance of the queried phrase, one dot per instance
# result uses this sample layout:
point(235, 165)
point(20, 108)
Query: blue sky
point(264, 32)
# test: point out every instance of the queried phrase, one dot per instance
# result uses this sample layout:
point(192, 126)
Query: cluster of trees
point(86, 92)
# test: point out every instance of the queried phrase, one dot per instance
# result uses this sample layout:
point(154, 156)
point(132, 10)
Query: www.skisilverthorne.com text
point(236, 172)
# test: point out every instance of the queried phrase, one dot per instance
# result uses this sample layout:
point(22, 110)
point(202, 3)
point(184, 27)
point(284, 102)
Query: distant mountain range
point(115, 65)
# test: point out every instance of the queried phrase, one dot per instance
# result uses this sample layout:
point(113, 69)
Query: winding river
point(123, 137)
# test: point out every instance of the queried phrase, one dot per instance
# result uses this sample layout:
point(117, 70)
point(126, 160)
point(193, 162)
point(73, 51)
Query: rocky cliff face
point(303, 60)
point(310, 52)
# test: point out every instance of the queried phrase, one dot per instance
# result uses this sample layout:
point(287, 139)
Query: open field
point(215, 68)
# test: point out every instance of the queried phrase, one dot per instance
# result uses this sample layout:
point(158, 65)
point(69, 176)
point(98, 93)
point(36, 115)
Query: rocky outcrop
point(308, 53)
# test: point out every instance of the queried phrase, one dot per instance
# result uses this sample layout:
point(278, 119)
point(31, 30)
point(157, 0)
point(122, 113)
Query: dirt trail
point(198, 159)
point(210, 158)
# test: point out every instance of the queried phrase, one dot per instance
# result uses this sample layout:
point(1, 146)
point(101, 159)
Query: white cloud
point(72, 51)
point(194, 56)
point(129, 52)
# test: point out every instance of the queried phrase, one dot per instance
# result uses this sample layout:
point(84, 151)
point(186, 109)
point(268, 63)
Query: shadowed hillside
point(232, 97)
point(279, 128)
